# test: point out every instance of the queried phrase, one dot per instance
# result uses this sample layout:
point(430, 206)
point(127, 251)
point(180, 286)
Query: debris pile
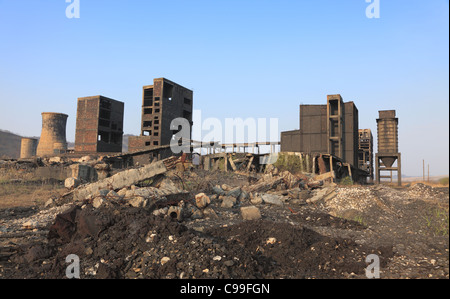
point(157, 222)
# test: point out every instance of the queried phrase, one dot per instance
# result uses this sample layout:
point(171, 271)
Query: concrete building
point(99, 126)
point(326, 129)
point(53, 135)
point(161, 103)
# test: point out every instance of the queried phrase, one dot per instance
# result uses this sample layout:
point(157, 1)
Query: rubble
point(250, 213)
point(150, 222)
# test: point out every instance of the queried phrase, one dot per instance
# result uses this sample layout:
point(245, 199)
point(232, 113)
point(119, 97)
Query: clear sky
point(242, 58)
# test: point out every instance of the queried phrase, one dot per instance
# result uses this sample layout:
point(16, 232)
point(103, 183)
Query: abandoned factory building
point(99, 126)
point(162, 102)
point(326, 129)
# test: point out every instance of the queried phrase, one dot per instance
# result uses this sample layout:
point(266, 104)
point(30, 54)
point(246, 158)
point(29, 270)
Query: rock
point(229, 263)
point(228, 202)
point(218, 190)
point(122, 192)
point(98, 201)
point(256, 199)
point(162, 211)
point(202, 200)
point(234, 192)
point(102, 193)
point(49, 203)
point(304, 195)
point(71, 183)
point(138, 202)
point(273, 199)
point(250, 213)
point(210, 213)
point(164, 260)
point(112, 195)
point(85, 159)
point(167, 187)
point(243, 196)
point(29, 225)
point(197, 214)
point(327, 192)
point(55, 160)
point(271, 241)
point(226, 187)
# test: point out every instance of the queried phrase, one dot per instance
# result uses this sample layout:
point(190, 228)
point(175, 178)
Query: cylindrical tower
point(28, 148)
point(387, 136)
point(53, 135)
point(388, 146)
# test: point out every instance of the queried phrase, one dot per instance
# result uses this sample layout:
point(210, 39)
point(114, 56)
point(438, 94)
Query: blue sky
point(246, 58)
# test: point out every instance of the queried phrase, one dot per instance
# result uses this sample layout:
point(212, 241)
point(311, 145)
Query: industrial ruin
point(330, 130)
point(388, 152)
point(99, 127)
point(329, 141)
point(53, 136)
point(229, 211)
point(161, 103)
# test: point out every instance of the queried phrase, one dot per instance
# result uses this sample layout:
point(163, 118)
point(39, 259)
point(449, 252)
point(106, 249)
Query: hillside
point(9, 145)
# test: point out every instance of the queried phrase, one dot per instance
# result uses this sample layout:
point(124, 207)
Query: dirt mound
point(127, 242)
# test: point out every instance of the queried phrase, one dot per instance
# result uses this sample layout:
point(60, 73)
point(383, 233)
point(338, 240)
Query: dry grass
point(26, 194)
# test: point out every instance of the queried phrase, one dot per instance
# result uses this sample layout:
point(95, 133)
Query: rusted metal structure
point(365, 154)
point(388, 152)
point(28, 148)
point(162, 102)
point(53, 136)
point(99, 127)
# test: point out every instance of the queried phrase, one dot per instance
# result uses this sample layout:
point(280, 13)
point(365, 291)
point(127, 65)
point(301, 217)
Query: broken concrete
point(121, 180)
point(250, 213)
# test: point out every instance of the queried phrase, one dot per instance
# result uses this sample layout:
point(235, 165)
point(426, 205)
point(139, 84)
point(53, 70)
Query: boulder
point(202, 200)
point(273, 199)
point(71, 183)
point(250, 213)
point(228, 202)
point(138, 202)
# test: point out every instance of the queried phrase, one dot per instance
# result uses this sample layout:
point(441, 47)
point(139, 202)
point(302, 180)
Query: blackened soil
point(124, 242)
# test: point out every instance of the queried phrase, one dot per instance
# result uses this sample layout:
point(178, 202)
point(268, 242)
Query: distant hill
point(9, 145)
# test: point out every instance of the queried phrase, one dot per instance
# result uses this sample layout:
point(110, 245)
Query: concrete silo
point(388, 146)
point(53, 136)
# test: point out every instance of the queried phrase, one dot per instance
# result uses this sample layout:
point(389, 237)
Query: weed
point(347, 181)
point(437, 221)
point(291, 163)
point(444, 181)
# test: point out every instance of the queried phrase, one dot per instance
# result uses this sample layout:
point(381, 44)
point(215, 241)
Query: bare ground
point(331, 238)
